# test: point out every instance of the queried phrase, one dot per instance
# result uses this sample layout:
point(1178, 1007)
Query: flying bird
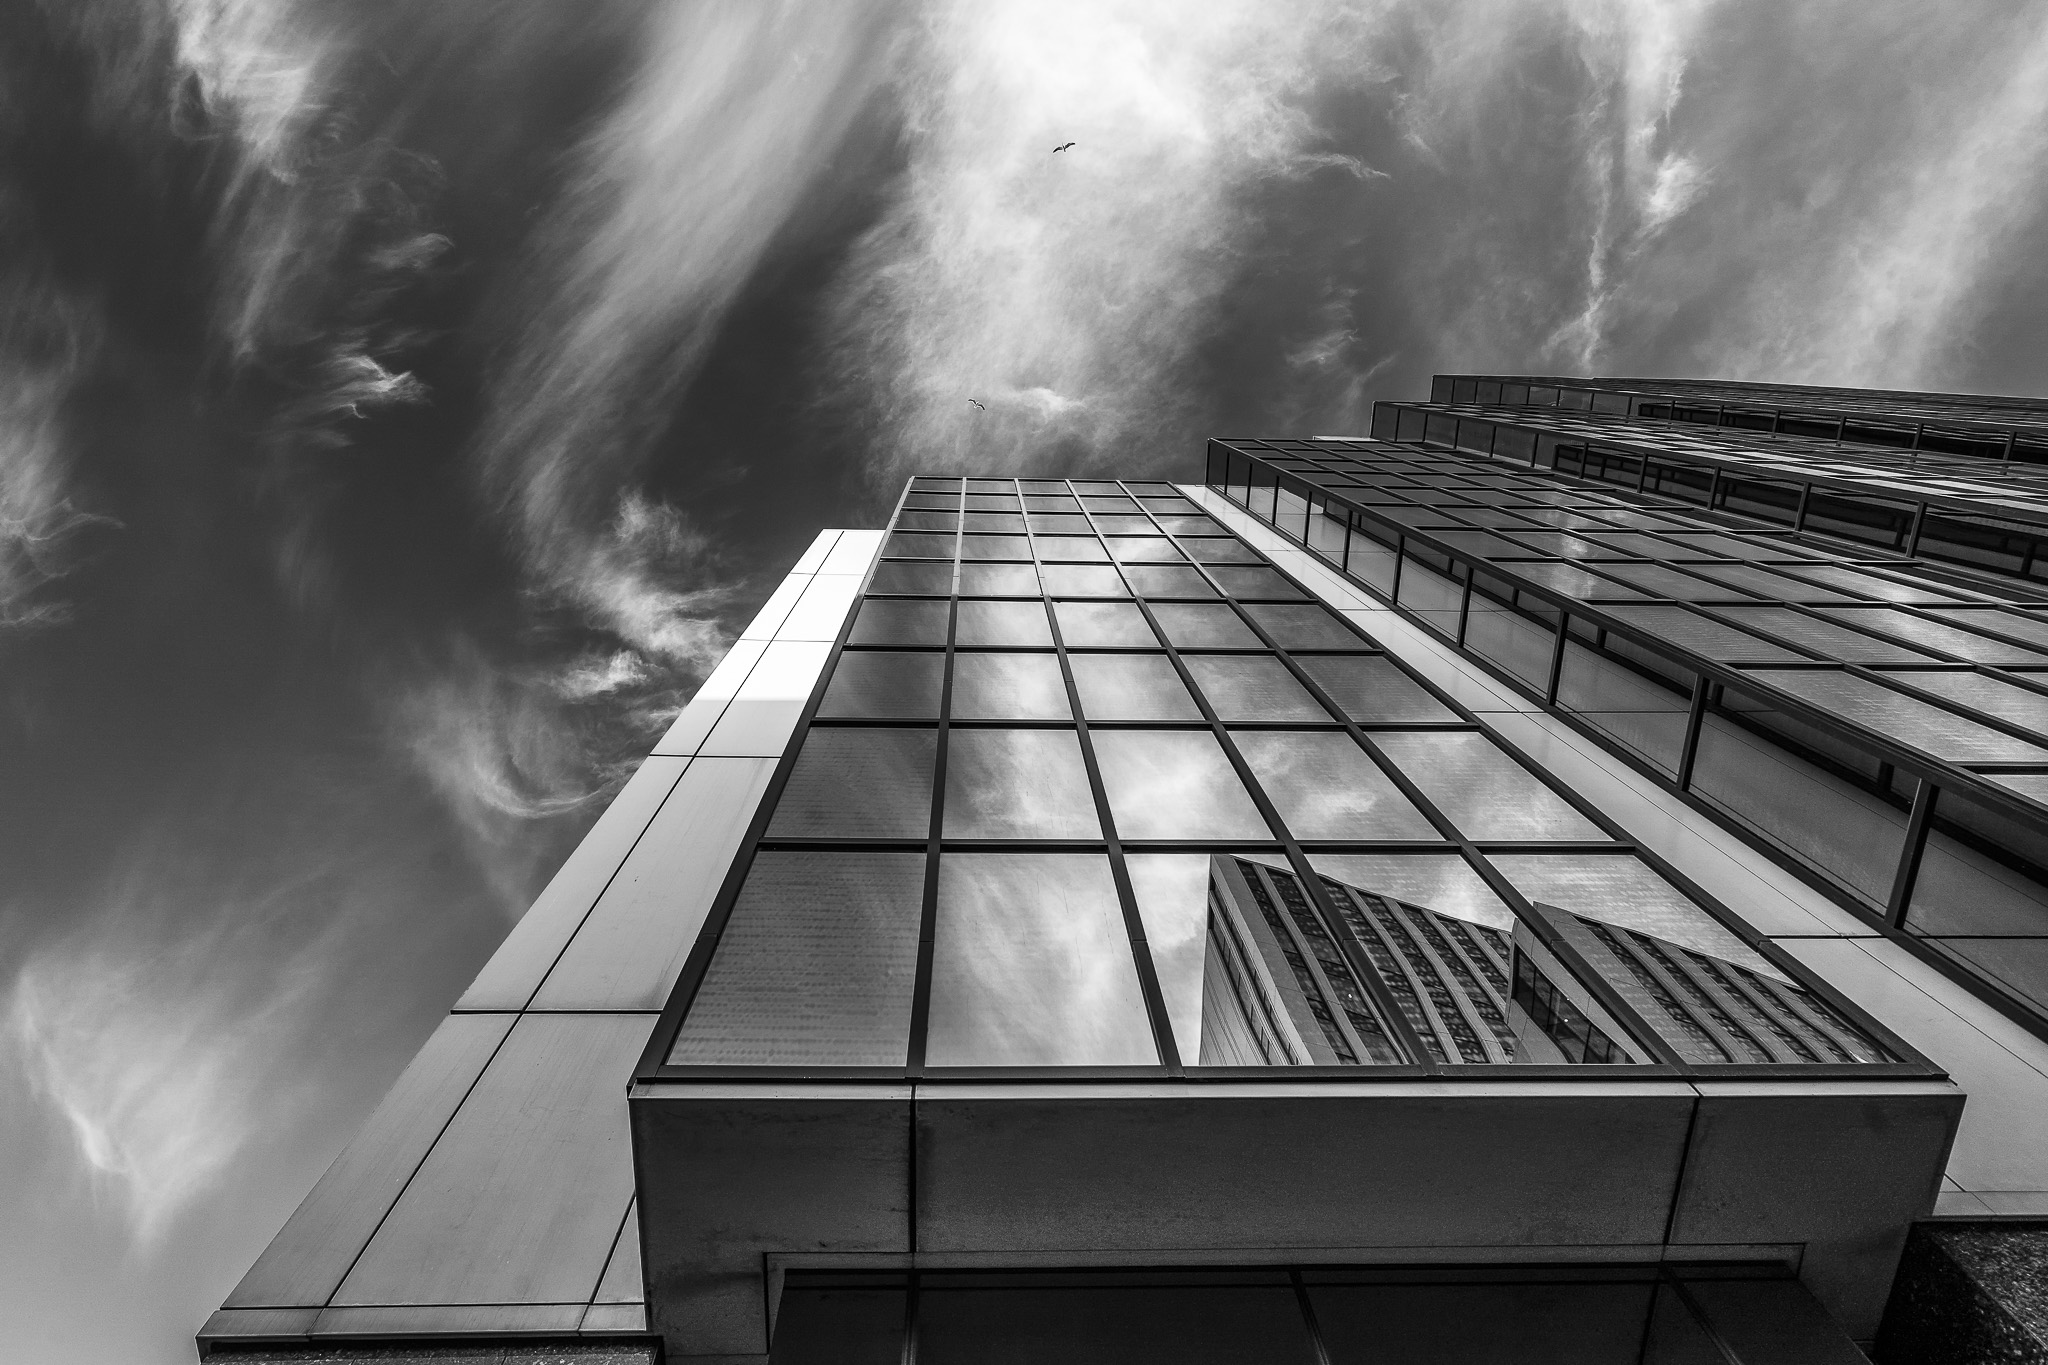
point(982, 406)
point(1061, 148)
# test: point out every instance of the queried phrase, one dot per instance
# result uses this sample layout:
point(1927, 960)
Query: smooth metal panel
point(821, 611)
point(621, 1282)
point(854, 552)
point(776, 609)
point(231, 1324)
point(1842, 1166)
point(510, 978)
point(812, 560)
point(760, 717)
point(606, 1318)
point(631, 947)
point(450, 1319)
point(306, 1260)
point(732, 1173)
point(1171, 1168)
point(696, 720)
point(519, 1201)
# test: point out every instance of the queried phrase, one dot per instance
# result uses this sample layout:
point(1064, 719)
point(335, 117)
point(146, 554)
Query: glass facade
point(1090, 785)
point(1820, 614)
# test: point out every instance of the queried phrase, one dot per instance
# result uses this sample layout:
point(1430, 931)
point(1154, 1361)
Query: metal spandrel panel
point(519, 1201)
point(776, 609)
point(622, 1282)
point(1905, 719)
point(821, 611)
point(696, 720)
point(508, 980)
point(812, 559)
point(306, 1260)
point(629, 950)
point(854, 552)
point(633, 942)
point(759, 719)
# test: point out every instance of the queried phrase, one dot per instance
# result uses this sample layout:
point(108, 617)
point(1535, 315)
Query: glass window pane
point(1143, 550)
point(915, 545)
point(1908, 720)
point(927, 521)
point(1031, 965)
point(1982, 875)
point(815, 967)
point(1304, 627)
point(1050, 524)
point(1082, 580)
point(1370, 689)
point(1252, 687)
point(1118, 625)
point(1618, 888)
point(1052, 503)
point(1255, 582)
point(998, 580)
point(1131, 687)
point(867, 683)
point(1080, 1324)
point(859, 784)
point(1443, 882)
point(993, 521)
point(1113, 525)
point(1172, 890)
point(1008, 687)
point(1484, 791)
point(1189, 526)
point(935, 579)
point(1002, 623)
point(1017, 784)
point(1204, 626)
point(900, 623)
point(1071, 550)
point(833, 1325)
point(1325, 787)
point(1174, 784)
point(991, 502)
point(994, 547)
point(1166, 580)
point(1218, 550)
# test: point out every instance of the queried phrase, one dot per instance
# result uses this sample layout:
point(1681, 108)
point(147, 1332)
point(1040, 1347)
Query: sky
point(402, 403)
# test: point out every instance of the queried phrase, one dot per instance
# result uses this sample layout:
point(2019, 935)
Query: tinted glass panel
point(1144, 550)
point(1082, 580)
point(1371, 690)
point(1219, 551)
point(1008, 687)
point(1198, 626)
point(839, 1326)
point(1095, 624)
point(1325, 787)
point(1485, 792)
point(1071, 549)
point(998, 580)
point(900, 623)
point(994, 547)
point(917, 578)
point(859, 784)
point(868, 683)
point(1017, 784)
point(1131, 687)
point(1255, 582)
point(1174, 784)
point(1253, 687)
point(1163, 580)
point(816, 965)
point(1031, 965)
point(1304, 627)
point(1002, 623)
point(1113, 1326)
point(916, 545)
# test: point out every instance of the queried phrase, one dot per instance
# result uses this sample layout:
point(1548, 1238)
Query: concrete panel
point(514, 972)
point(450, 1319)
point(307, 1259)
point(731, 1173)
point(777, 608)
point(1177, 1167)
point(520, 1199)
point(853, 553)
point(1842, 1166)
point(628, 952)
point(812, 560)
point(821, 611)
point(258, 1324)
point(621, 1282)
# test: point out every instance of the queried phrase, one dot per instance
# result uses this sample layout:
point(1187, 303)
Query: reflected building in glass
point(1448, 893)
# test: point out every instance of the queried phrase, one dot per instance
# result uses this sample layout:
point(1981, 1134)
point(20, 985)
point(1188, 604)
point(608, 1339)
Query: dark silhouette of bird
point(982, 406)
point(1061, 148)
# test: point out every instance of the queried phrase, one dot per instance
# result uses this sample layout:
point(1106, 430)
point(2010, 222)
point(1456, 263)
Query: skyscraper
point(1543, 878)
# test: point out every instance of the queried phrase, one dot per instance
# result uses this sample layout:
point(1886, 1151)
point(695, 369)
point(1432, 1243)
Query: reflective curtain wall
point(1089, 784)
point(1876, 721)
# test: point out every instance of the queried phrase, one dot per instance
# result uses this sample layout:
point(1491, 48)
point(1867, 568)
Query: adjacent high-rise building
point(1559, 879)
